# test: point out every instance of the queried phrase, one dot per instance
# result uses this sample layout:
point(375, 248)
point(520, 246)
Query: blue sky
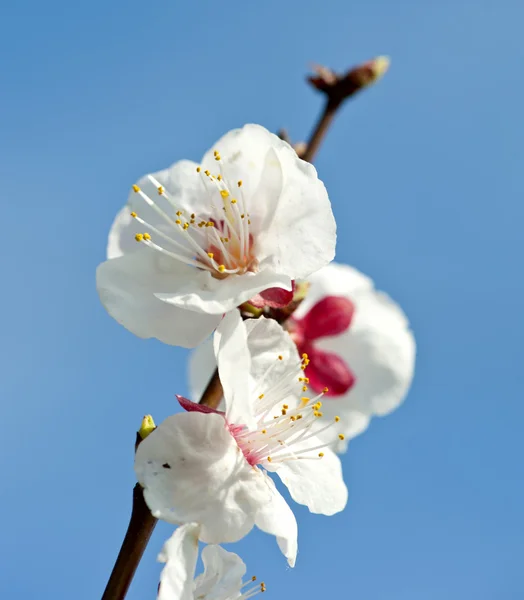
point(425, 176)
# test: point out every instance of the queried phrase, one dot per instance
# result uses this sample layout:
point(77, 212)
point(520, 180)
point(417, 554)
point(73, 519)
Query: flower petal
point(273, 297)
point(315, 482)
point(193, 471)
point(327, 369)
point(276, 518)
point(180, 553)
point(234, 363)
point(202, 365)
point(222, 576)
point(126, 287)
point(302, 220)
point(204, 293)
point(331, 315)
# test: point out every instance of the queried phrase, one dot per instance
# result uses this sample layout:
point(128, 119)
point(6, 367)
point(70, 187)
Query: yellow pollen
point(224, 193)
point(304, 388)
point(242, 216)
point(320, 454)
point(133, 214)
point(249, 221)
point(269, 459)
point(192, 221)
point(217, 157)
point(210, 224)
point(219, 177)
point(186, 225)
point(226, 240)
point(193, 215)
point(299, 417)
point(293, 418)
point(147, 236)
point(303, 367)
point(178, 213)
point(337, 419)
point(198, 169)
point(304, 399)
point(178, 222)
point(264, 431)
point(139, 237)
point(284, 412)
point(261, 396)
point(239, 183)
point(306, 379)
point(319, 404)
point(341, 436)
point(136, 188)
point(280, 357)
point(285, 406)
point(233, 201)
point(254, 578)
point(305, 356)
point(207, 172)
point(160, 190)
point(221, 268)
point(210, 254)
point(325, 390)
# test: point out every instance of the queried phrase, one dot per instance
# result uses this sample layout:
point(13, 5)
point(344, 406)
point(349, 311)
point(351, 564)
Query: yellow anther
point(221, 268)
point(198, 169)
point(224, 193)
point(186, 225)
point(178, 222)
point(285, 406)
point(207, 172)
point(299, 417)
point(226, 240)
point(147, 426)
point(325, 390)
point(136, 188)
point(233, 201)
point(264, 431)
point(217, 157)
point(284, 412)
point(320, 454)
point(319, 404)
point(219, 177)
point(306, 379)
point(192, 221)
point(303, 367)
point(316, 414)
point(239, 183)
point(280, 357)
point(304, 356)
point(210, 254)
point(254, 578)
point(269, 459)
point(179, 213)
point(337, 419)
point(215, 152)
point(160, 190)
point(193, 216)
point(242, 216)
point(139, 237)
point(304, 388)
point(147, 236)
point(210, 224)
point(261, 396)
point(304, 399)
point(249, 221)
point(319, 414)
point(293, 418)
point(133, 214)
point(341, 436)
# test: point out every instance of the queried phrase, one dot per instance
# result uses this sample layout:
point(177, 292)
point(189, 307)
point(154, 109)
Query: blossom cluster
point(233, 257)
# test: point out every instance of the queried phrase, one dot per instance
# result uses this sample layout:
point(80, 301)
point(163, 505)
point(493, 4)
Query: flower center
point(283, 436)
point(219, 241)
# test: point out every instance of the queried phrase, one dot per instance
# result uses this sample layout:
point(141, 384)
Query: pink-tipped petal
point(273, 297)
point(330, 316)
point(190, 406)
point(327, 369)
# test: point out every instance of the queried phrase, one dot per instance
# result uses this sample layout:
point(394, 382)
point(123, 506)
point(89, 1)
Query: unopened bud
point(147, 427)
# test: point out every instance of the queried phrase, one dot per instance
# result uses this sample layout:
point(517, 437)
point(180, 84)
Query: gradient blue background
point(425, 175)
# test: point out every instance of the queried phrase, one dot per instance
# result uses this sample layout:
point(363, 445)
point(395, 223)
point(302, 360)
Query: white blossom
point(245, 223)
point(211, 468)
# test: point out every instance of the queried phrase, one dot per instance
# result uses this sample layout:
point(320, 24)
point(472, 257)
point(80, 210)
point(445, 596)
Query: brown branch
point(337, 89)
point(141, 526)
point(213, 392)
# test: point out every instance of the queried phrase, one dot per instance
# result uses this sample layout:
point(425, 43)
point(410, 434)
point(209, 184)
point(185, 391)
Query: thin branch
point(213, 392)
point(141, 526)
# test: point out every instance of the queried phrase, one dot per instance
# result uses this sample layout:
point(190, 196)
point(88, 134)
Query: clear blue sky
point(425, 175)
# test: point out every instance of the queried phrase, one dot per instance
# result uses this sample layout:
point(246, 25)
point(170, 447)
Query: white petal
point(302, 235)
point(316, 482)
point(266, 341)
point(206, 294)
point(333, 280)
point(222, 576)
point(234, 363)
point(276, 518)
point(127, 287)
point(380, 350)
point(207, 480)
point(180, 553)
point(121, 238)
